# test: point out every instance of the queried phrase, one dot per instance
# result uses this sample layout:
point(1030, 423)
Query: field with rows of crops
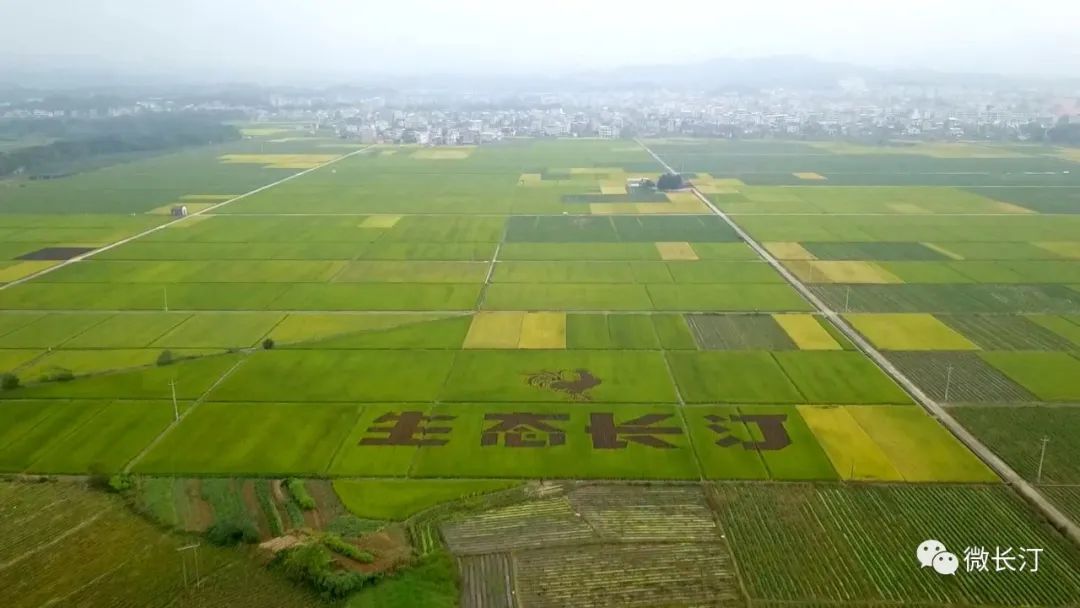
point(64, 544)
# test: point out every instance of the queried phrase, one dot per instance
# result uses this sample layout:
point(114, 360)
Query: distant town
point(850, 110)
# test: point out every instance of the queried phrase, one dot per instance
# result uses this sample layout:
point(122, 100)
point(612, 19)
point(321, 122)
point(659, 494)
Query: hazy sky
point(267, 39)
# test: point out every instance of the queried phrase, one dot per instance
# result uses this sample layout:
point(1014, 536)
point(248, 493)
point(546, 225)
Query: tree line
point(78, 141)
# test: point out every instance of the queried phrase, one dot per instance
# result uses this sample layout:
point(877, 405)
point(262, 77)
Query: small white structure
point(178, 211)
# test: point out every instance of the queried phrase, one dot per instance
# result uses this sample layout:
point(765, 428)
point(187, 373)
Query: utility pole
point(948, 381)
point(175, 408)
point(1042, 456)
point(183, 562)
point(165, 291)
point(847, 297)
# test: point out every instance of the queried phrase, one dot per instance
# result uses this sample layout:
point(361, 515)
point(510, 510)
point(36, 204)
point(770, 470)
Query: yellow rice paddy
point(806, 332)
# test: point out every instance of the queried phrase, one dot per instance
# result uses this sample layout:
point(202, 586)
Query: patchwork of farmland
point(403, 319)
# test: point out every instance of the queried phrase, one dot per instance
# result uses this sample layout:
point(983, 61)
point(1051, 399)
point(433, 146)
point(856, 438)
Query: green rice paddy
point(333, 326)
point(294, 318)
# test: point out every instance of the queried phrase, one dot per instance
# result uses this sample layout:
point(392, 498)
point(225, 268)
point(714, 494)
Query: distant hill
point(780, 71)
point(792, 71)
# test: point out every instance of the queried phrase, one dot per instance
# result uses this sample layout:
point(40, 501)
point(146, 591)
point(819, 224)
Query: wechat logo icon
point(932, 554)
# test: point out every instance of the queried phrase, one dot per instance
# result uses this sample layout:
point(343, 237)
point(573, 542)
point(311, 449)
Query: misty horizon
point(279, 42)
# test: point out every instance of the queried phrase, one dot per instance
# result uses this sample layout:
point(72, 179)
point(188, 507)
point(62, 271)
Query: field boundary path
point(148, 231)
point(176, 421)
point(935, 409)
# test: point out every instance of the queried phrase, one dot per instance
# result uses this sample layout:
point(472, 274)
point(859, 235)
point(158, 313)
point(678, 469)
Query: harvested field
point(55, 253)
point(1016, 433)
point(600, 545)
point(968, 378)
point(1006, 332)
point(638, 513)
point(1066, 498)
point(927, 272)
point(633, 576)
point(397, 499)
point(487, 581)
point(949, 298)
point(529, 525)
point(739, 332)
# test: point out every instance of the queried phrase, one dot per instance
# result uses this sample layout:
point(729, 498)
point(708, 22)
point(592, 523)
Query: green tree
point(669, 181)
point(9, 381)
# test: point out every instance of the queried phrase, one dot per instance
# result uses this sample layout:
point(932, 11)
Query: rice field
point(431, 326)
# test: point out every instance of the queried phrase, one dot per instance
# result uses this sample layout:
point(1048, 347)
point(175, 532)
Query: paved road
point(1028, 491)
